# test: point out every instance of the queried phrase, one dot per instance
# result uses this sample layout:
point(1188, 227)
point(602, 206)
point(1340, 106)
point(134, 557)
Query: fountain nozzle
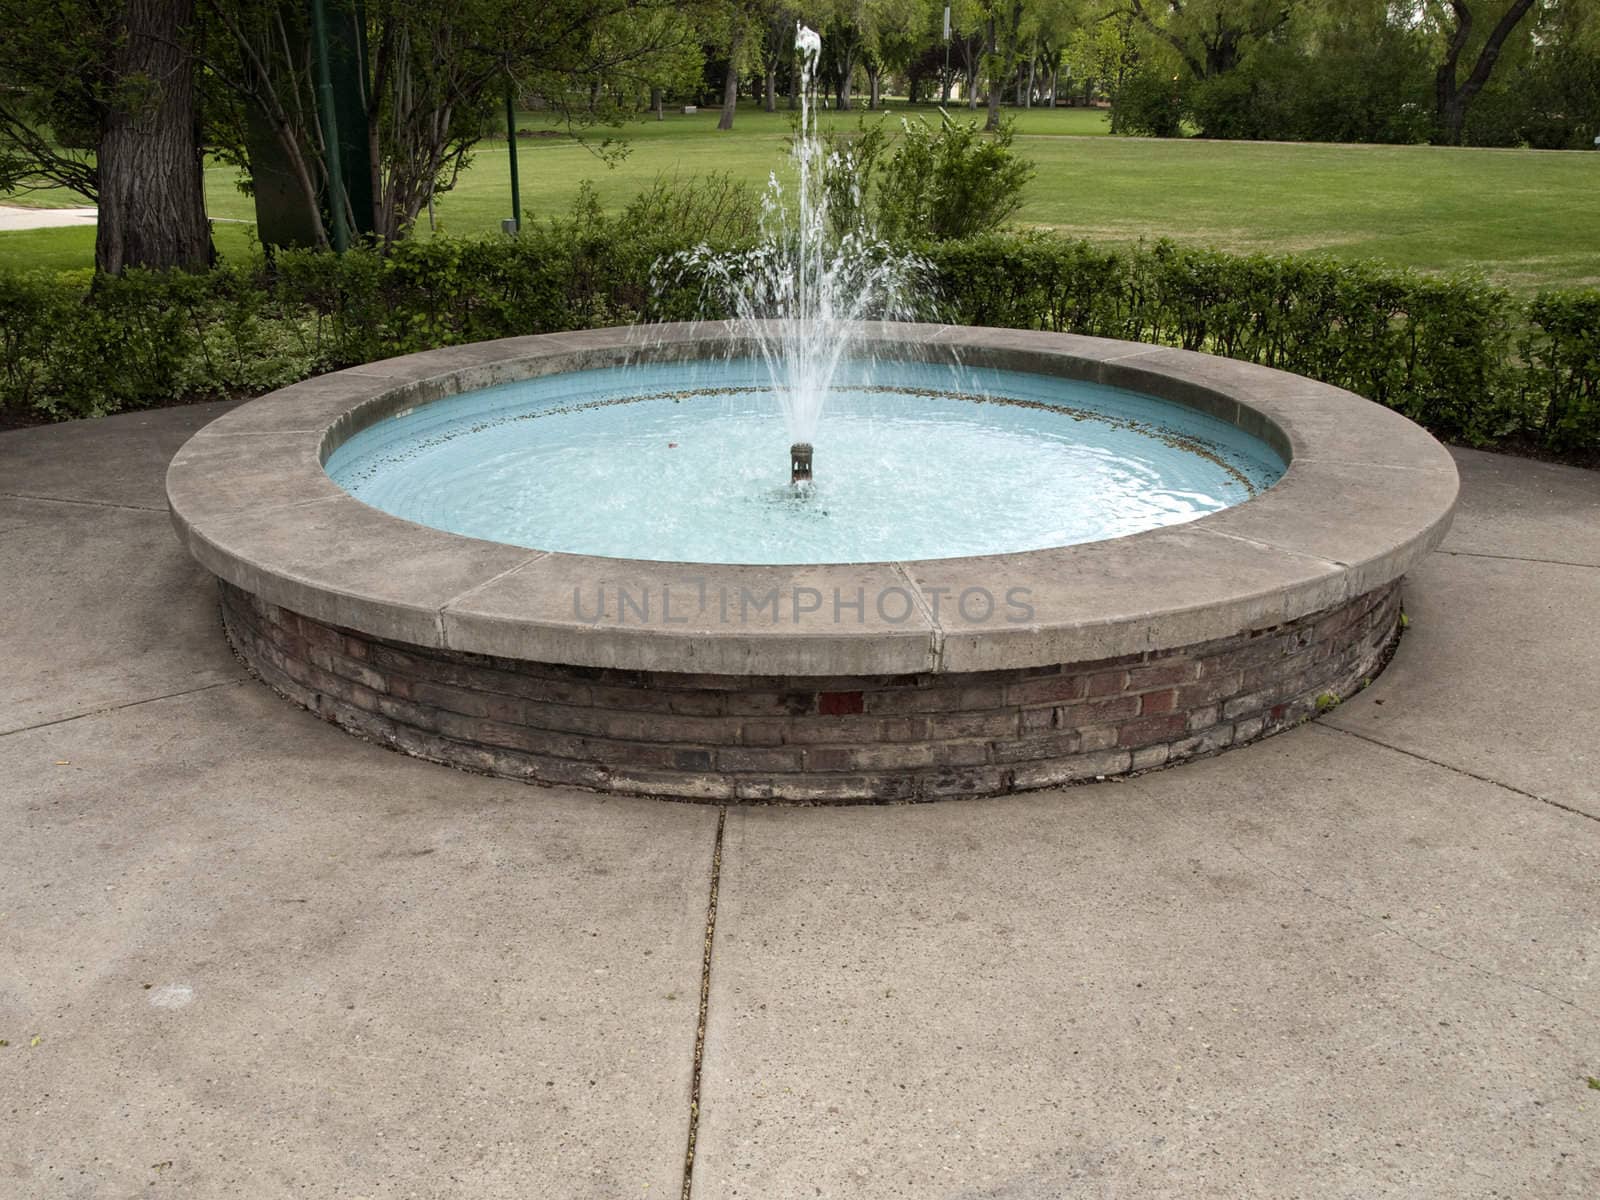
point(800, 463)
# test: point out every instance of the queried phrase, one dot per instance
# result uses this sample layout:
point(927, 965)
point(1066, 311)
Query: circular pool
point(1028, 559)
point(687, 462)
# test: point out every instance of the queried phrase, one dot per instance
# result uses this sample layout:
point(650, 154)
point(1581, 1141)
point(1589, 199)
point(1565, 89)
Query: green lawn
point(1527, 218)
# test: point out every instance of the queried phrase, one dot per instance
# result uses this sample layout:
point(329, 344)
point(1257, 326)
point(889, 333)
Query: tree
point(100, 98)
point(1050, 24)
point(735, 25)
point(844, 41)
point(894, 33)
point(433, 81)
point(1002, 29)
point(730, 78)
point(1211, 37)
point(1458, 22)
point(777, 48)
point(152, 197)
point(1099, 55)
point(54, 75)
point(1558, 89)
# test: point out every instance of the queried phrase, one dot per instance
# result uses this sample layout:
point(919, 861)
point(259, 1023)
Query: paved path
point(12, 217)
point(243, 954)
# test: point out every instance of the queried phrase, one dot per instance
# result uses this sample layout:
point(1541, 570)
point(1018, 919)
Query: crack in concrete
point(534, 556)
point(705, 999)
point(1389, 928)
point(1554, 562)
point(1276, 547)
point(1499, 783)
point(935, 630)
point(90, 503)
point(95, 712)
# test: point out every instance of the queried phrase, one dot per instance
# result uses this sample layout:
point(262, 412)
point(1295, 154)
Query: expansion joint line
point(1550, 562)
point(705, 998)
point(1499, 783)
point(149, 508)
point(110, 708)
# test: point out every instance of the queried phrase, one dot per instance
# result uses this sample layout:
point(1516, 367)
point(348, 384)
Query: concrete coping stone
point(1367, 493)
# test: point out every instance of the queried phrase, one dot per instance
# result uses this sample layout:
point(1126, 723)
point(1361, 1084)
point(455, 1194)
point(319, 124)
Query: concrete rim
point(1367, 493)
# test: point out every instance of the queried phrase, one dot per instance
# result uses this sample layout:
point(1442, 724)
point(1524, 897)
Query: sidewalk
point(243, 954)
point(13, 218)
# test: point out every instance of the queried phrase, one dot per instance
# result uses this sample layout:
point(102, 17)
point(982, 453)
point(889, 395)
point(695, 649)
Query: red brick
point(839, 704)
point(1158, 702)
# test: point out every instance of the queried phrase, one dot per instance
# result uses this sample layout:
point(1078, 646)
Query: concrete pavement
point(14, 217)
point(243, 954)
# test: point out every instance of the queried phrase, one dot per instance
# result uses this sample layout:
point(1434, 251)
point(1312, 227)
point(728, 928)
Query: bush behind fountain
point(1470, 360)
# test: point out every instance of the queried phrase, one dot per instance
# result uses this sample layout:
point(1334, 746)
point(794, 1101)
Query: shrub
point(1562, 350)
point(1464, 358)
point(949, 182)
point(1150, 103)
point(32, 307)
point(1437, 349)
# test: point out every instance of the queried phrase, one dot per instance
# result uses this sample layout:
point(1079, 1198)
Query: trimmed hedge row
point(1468, 360)
point(1438, 350)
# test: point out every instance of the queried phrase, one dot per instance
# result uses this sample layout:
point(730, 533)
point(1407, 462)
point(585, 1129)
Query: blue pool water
point(688, 462)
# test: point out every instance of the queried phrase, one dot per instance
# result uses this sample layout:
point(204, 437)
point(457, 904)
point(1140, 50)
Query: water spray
point(801, 295)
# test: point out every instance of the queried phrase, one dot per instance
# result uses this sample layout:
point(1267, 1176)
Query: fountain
point(1033, 558)
point(801, 294)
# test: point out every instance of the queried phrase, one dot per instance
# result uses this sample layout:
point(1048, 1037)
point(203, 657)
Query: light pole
point(947, 54)
point(332, 152)
point(515, 224)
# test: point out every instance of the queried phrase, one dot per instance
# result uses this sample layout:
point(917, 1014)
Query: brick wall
point(799, 738)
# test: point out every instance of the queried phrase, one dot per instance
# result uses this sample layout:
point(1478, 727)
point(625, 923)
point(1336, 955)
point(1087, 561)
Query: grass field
point(1528, 219)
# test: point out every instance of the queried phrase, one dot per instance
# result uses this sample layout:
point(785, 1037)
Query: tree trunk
point(1055, 81)
point(971, 52)
point(152, 190)
point(656, 103)
point(730, 86)
point(872, 81)
point(1452, 101)
point(994, 83)
point(1033, 75)
point(770, 90)
point(846, 78)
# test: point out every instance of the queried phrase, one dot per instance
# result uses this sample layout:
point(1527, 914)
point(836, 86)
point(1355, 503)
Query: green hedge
point(1468, 360)
point(1439, 350)
point(1562, 352)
